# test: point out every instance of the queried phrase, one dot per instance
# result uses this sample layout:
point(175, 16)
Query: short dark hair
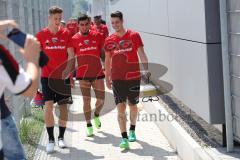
point(83, 17)
point(117, 14)
point(97, 17)
point(55, 10)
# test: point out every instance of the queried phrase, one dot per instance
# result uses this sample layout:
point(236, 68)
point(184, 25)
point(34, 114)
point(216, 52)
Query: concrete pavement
point(151, 144)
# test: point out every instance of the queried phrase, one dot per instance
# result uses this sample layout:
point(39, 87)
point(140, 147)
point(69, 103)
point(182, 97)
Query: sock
point(50, 131)
point(124, 135)
point(96, 115)
point(132, 127)
point(89, 124)
point(61, 132)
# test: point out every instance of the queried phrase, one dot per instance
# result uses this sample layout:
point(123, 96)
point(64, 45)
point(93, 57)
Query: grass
point(30, 131)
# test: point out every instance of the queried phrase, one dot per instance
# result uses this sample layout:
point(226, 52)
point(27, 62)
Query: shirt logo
point(88, 49)
point(54, 40)
point(110, 46)
point(47, 42)
point(86, 42)
point(55, 47)
point(125, 44)
point(122, 47)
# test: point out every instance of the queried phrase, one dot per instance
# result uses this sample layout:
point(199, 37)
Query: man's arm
point(108, 69)
point(26, 82)
point(144, 60)
point(70, 63)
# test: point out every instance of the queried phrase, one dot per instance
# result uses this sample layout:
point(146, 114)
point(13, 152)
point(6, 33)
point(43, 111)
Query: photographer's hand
point(4, 24)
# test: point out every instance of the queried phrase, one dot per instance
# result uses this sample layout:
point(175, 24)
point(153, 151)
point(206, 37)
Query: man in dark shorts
point(88, 46)
point(122, 49)
point(55, 42)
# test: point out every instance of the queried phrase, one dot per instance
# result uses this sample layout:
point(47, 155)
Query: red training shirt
point(55, 47)
point(101, 29)
point(88, 50)
point(124, 57)
point(72, 27)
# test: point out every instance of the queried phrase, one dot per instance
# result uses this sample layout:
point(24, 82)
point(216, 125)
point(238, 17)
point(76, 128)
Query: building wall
point(184, 36)
point(234, 48)
point(31, 15)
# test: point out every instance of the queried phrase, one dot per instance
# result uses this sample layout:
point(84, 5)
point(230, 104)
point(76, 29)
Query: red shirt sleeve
point(138, 40)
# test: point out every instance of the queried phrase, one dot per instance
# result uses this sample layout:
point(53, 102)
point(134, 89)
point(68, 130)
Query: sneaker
point(132, 136)
point(50, 147)
point(124, 144)
point(89, 131)
point(61, 143)
point(97, 122)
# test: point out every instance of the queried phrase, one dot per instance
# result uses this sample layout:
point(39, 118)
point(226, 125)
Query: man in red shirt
point(88, 46)
point(55, 42)
point(122, 49)
point(99, 27)
point(72, 26)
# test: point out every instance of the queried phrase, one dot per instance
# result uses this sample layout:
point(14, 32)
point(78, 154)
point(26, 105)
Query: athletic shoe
point(50, 147)
point(61, 143)
point(124, 144)
point(132, 136)
point(97, 122)
point(89, 131)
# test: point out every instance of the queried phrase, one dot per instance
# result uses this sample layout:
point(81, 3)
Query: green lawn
point(30, 131)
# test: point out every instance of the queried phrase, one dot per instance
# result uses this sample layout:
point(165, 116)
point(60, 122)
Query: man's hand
point(31, 51)
point(146, 76)
point(66, 73)
point(109, 82)
point(4, 25)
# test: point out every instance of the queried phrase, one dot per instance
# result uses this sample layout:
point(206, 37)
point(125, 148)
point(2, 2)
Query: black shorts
point(57, 90)
point(124, 90)
point(91, 79)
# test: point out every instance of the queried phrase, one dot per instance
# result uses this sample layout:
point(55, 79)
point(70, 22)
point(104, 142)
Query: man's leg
point(85, 87)
point(48, 95)
point(133, 120)
point(63, 98)
point(49, 120)
point(99, 89)
point(62, 122)
point(122, 121)
point(120, 95)
point(12, 146)
point(133, 100)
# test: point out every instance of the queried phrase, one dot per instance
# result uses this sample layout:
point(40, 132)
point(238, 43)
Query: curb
point(186, 147)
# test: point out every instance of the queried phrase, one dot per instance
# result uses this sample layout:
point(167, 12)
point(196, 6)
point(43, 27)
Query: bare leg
point(99, 88)
point(85, 87)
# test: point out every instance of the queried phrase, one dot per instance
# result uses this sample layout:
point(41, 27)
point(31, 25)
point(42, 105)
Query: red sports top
point(88, 50)
point(101, 29)
point(72, 27)
point(124, 57)
point(55, 47)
